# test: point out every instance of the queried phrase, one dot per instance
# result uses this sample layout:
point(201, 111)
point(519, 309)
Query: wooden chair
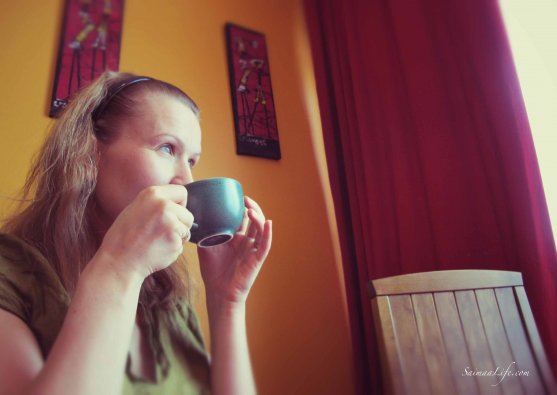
point(458, 332)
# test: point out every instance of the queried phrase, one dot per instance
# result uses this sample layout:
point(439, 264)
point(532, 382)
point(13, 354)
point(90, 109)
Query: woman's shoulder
point(19, 259)
point(13, 247)
point(30, 289)
point(15, 250)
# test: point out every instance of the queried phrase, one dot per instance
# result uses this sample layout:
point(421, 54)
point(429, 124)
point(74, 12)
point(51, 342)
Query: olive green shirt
point(31, 290)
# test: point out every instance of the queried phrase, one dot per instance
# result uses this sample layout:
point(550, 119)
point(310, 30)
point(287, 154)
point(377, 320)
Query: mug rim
point(202, 243)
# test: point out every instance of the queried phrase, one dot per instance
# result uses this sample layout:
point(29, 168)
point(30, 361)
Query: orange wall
point(297, 319)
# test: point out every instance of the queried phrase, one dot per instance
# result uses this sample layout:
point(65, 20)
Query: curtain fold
point(431, 159)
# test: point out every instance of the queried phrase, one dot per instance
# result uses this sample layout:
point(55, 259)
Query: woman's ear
point(100, 133)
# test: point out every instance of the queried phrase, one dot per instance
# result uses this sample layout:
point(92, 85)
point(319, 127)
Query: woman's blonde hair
point(58, 196)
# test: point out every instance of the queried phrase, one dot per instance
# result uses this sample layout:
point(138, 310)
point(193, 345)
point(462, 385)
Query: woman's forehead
point(163, 114)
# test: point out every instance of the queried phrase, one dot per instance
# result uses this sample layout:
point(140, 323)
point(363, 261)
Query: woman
point(91, 299)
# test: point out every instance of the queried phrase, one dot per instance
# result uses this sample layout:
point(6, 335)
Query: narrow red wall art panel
point(89, 45)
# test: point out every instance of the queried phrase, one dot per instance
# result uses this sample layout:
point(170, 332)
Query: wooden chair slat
point(390, 363)
point(535, 339)
point(455, 343)
point(432, 343)
point(476, 340)
point(408, 343)
point(498, 342)
point(518, 340)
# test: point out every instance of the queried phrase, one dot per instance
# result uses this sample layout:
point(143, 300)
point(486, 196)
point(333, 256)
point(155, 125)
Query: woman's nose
point(183, 174)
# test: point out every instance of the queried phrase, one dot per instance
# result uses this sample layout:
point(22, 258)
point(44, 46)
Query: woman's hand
point(147, 235)
point(229, 270)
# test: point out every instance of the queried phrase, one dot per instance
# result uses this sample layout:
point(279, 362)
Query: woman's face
point(158, 147)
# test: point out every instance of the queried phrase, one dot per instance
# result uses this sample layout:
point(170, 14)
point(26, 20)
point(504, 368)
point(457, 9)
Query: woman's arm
point(89, 354)
point(229, 272)
point(231, 370)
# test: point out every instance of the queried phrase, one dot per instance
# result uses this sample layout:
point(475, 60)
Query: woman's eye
point(191, 162)
point(167, 148)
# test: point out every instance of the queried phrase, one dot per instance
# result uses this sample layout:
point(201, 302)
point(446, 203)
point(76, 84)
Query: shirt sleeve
point(31, 290)
point(13, 293)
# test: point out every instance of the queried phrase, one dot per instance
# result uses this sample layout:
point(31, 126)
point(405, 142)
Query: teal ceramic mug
point(217, 205)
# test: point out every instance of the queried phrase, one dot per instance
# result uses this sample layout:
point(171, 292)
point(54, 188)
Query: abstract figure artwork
point(89, 45)
point(252, 96)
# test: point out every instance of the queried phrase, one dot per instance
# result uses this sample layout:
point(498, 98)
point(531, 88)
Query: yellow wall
point(297, 319)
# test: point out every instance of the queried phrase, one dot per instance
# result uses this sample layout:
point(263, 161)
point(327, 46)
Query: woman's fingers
point(256, 221)
point(182, 214)
point(261, 244)
point(255, 216)
point(265, 241)
point(245, 222)
point(176, 193)
point(250, 203)
point(175, 198)
point(183, 232)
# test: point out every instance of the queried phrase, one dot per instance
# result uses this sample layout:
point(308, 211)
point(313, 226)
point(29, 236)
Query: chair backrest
point(458, 332)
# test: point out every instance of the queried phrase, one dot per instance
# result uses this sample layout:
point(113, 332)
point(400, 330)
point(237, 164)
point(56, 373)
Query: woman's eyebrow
point(162, 136)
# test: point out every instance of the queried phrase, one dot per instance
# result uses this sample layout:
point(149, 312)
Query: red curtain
point(432, 162)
